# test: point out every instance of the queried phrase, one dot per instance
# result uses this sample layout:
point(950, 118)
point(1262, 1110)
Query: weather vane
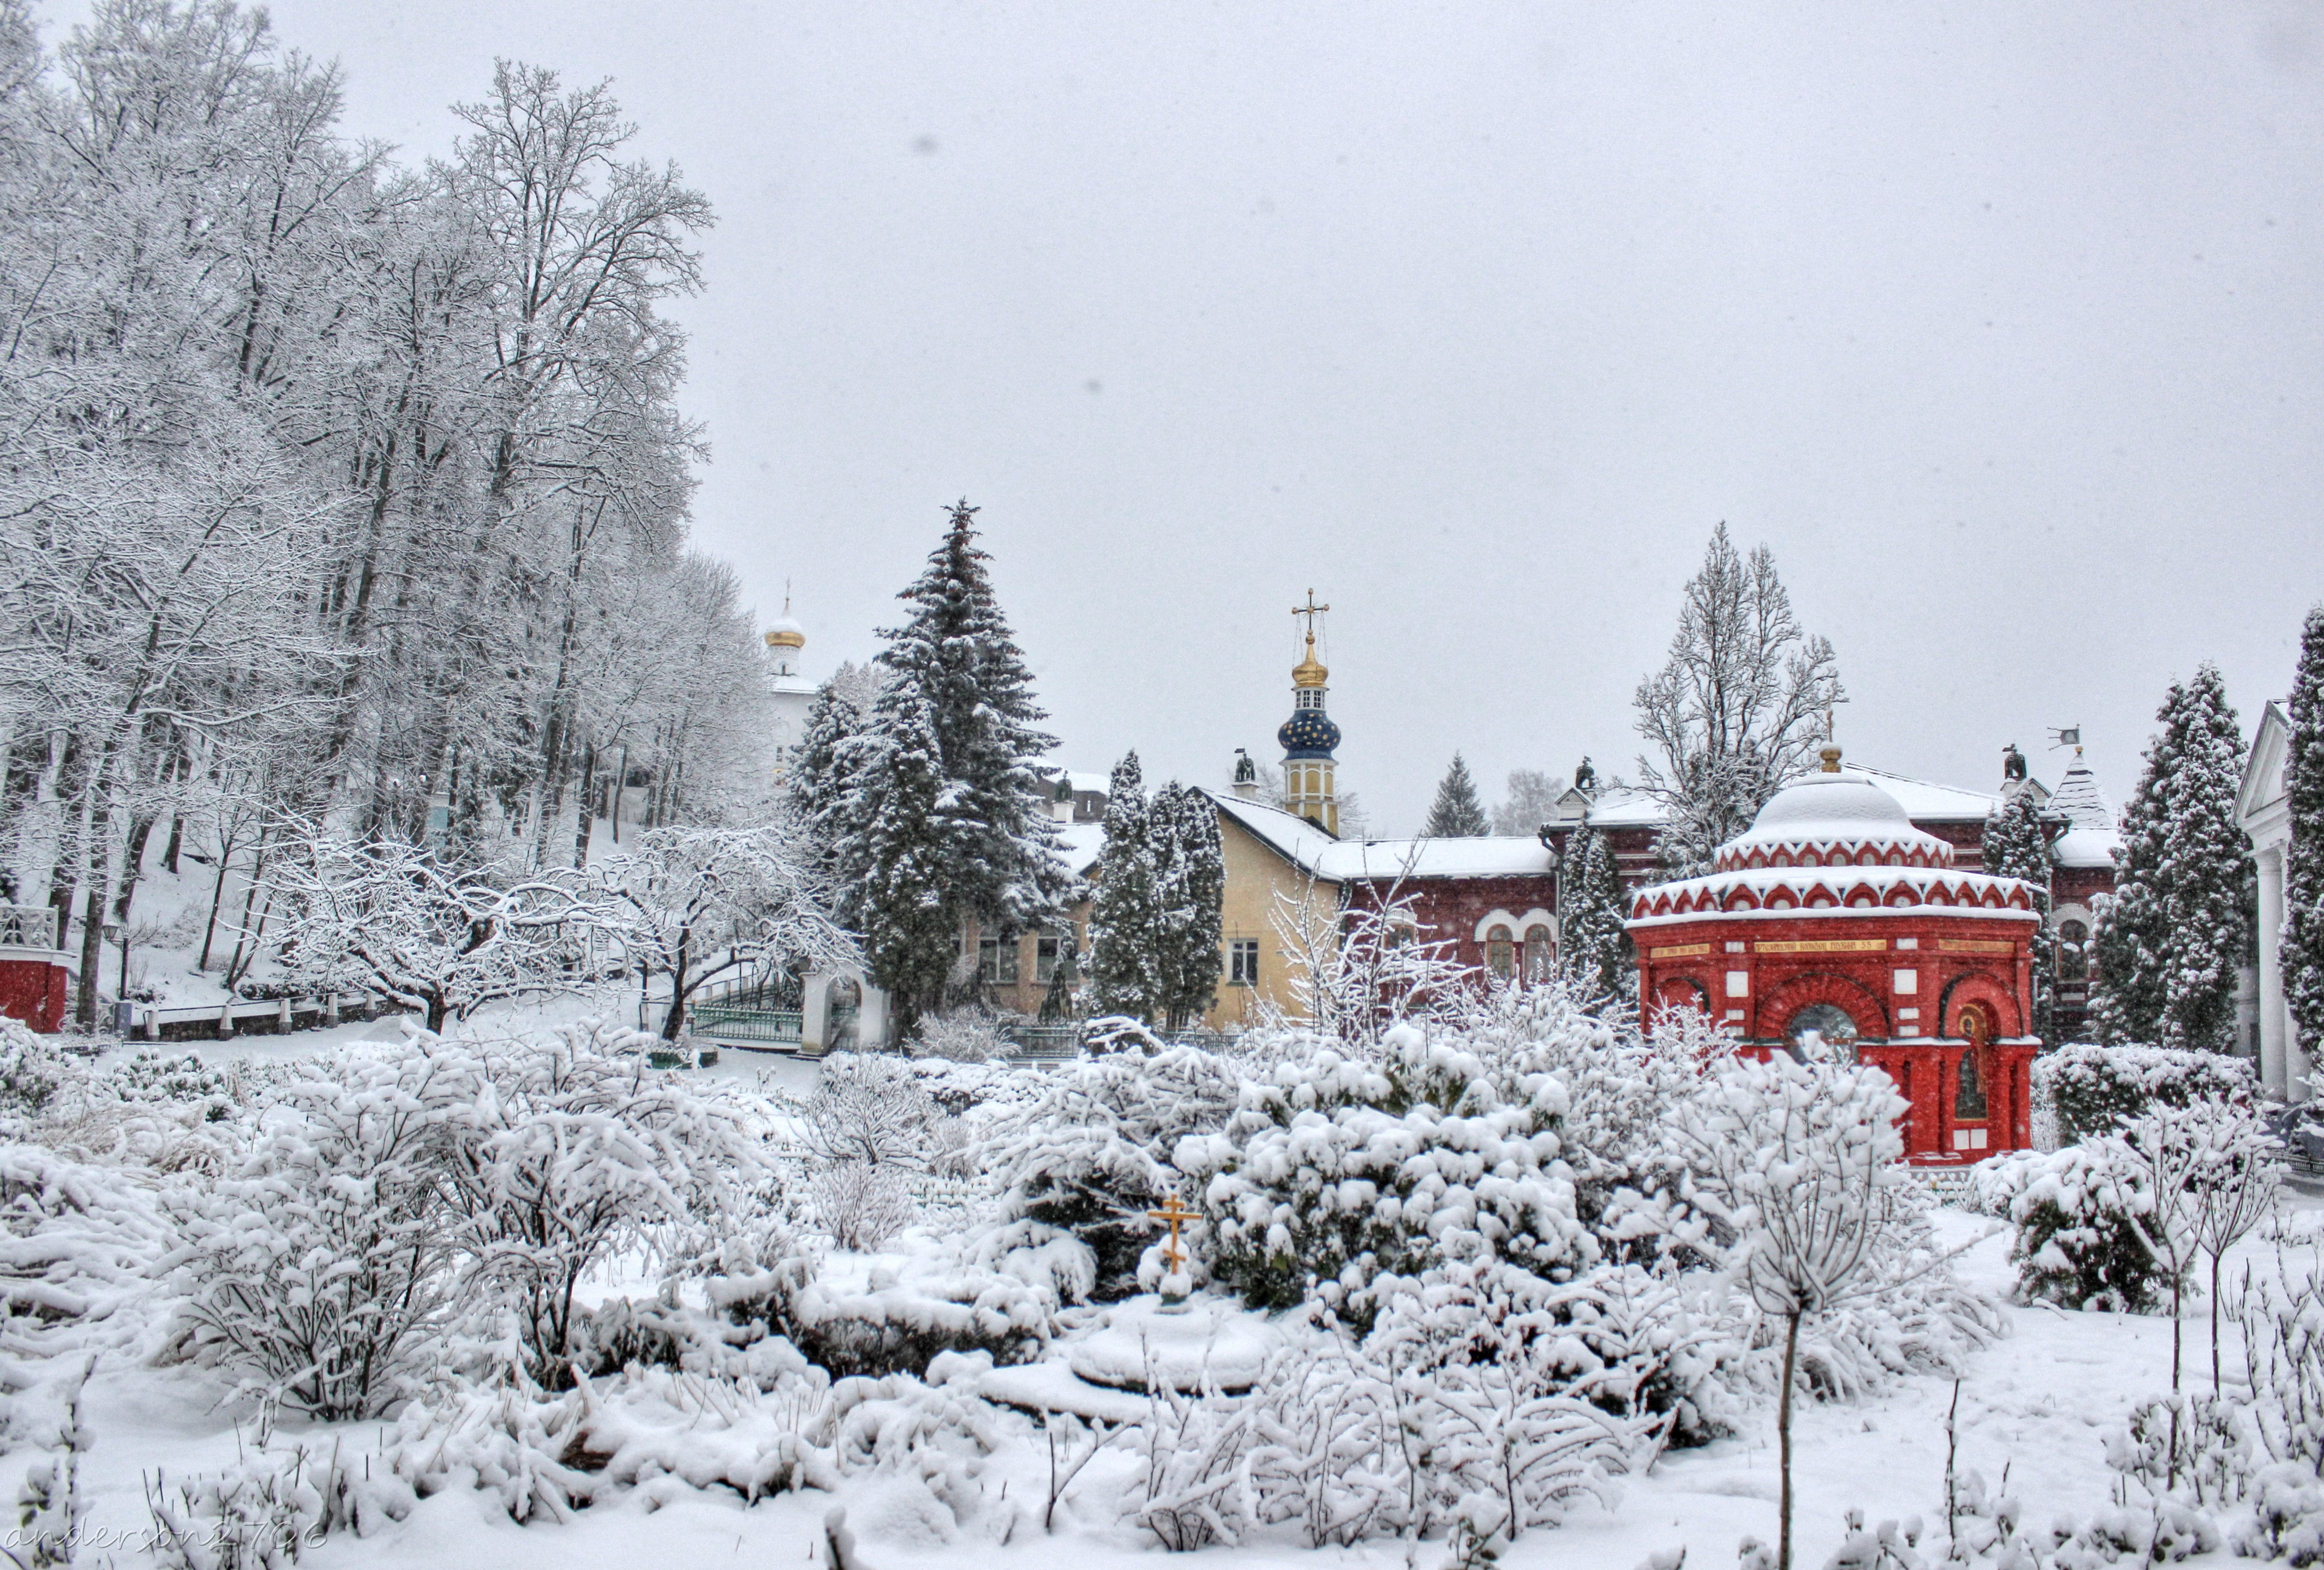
point(2071, 736)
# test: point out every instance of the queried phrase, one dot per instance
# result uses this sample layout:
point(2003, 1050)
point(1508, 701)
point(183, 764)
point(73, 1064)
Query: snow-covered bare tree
point(1795, 1168)
point(1738, 709)
point(1531, 800)
point(700, 906)
point(393, 920)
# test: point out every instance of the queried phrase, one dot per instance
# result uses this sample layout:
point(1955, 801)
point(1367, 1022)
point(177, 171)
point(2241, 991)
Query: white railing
point(133, 1018)
point(28, 926)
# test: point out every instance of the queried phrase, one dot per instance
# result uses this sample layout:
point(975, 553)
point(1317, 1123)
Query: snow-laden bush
point(80, 1247)
point(1092, 1156)
point(2077, 1212)
point(32, 1068)
point(2280, 1311)
point(321, 1263)
point(1909, 1315)
point(573, 1149)
point(1328, 1452)
point(2192, 1447)
point(267, 1508)
point(962, 1035)
point(863, 1205)
point(902, 1314)
point(1192, 1488)
point(1337, 1172)
point(2089, 1089)
point(1504, 1399)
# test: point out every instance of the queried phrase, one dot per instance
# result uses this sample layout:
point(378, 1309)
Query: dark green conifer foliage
point(1599, 960)
point(1125, 913)
point(2169, 941)
point(2017, 845)
point(1190, 889)
point(1457, 814)
point(2302, 952)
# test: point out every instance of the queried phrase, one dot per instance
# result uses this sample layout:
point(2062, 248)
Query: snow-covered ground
point(2033, 1411)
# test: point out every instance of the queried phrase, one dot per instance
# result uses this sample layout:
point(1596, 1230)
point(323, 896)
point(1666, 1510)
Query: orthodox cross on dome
point(1310, 611)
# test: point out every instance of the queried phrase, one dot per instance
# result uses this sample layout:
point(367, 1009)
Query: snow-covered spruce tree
point(1125, 913)
point(958, 716)
point(1739, 708)
point(1190, 887)
point(899, 858)
point(821, 783)
point(2179, 923)
point(2016, 845)
point(2303, 862)
point(1457, 814)
point(1599, 961)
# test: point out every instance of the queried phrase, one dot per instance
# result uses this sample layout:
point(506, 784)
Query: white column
point(2276, 1074)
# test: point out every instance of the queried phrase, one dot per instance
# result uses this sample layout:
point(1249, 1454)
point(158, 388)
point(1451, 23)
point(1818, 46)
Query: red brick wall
point(1448, 909)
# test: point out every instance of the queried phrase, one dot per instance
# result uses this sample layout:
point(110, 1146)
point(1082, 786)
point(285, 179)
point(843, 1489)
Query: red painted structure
point(33, 988)
point(1834, 914)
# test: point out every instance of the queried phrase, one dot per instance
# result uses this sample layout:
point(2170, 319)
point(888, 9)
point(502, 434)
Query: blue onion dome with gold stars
point(1309, 733)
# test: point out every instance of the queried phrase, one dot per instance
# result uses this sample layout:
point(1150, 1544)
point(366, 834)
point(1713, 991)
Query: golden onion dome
point(1309, 672)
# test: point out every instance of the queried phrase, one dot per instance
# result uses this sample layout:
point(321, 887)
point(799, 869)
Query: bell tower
point(1309, 739)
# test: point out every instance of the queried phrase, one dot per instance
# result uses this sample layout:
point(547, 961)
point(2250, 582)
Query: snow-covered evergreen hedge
point(2089, 1088)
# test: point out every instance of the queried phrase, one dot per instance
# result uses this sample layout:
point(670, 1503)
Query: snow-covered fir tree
point(1190, 886)
point(821, 781)
point(2302, 952)
point(1738, 709)
point(2017, 845)
point(1598, 958)
point(2169, 941)
point(1457, 814)
point(956, 706)
point(1125, 913)
point(899, 854)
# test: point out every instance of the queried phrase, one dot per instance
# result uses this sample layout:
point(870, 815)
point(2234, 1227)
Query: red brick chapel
point(1834, 922)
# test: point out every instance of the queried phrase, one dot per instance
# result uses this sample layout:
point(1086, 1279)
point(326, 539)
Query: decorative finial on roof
point(1830, 756)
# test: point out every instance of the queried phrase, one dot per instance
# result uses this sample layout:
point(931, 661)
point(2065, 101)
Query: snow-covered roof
point(1480, 856)
point(1312, 850)
point(1294, 838)
point(1835, 819)
point(1840, 891)
point(2084, 804)
point(1923, 801)
point(2086, 848)
point(1080, 846)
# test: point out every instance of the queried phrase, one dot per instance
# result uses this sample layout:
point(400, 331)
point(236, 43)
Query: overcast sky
point(2000, 323)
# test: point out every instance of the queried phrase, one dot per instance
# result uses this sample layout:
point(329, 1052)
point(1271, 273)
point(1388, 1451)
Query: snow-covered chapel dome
point(1832, 819)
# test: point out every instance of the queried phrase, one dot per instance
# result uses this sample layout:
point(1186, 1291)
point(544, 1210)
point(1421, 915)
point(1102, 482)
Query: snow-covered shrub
point(79, 1247)
point(2186, 1446)
point(898, 1320)
point(505, 1441)
point(868, 1108)
point(1192, 1487)
point(861, 1204)
point(1092, 1155)
point(265, 1511)
point(1500, 1395)
point(1328, 1452)
point(51, 1507)
point(1332, 1174)
point(31, 1069)
point(573, 1149)
point(2287, 1516)
point(2077, 1242)
point(2281, 1313)
point(706, 1433)
point(322, 1260)
point(962, 1035)
point(2091, 1089)
point(1909, 1313)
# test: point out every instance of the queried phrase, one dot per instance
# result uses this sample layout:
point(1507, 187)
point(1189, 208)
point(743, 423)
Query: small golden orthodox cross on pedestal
point(1173, 1213)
